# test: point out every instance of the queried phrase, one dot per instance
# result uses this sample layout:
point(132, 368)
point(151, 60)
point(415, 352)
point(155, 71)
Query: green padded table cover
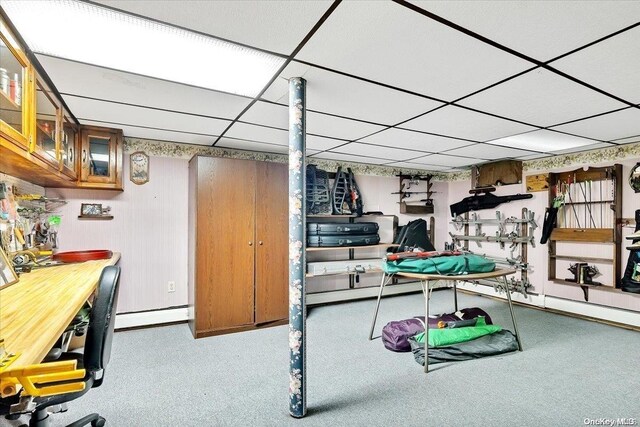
point(444, 265)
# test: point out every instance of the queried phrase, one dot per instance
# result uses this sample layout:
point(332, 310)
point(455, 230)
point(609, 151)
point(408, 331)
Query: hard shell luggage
point(341, 228)
point(337, 241)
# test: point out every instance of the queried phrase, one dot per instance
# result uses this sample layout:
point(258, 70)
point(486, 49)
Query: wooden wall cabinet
point(101, 157)
point(45, 142)
point(16, 80)
point(69, 139)
point(238, 245)
point(39, 142)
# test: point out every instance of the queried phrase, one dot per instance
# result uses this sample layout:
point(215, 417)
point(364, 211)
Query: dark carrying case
point(341, 228)
point(337, 241)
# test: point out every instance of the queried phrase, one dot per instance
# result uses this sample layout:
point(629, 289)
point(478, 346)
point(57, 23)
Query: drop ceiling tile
point(344, 96)
point(444, 160)
point(239, 144)
point(320, 143)
point(155, 134)
point(319, 124)
point(90, 81)
point(418, 166)
point(388, 43)
point(462, 123)
point(585, 148)
point(544, 141)
point(391, 154)
point(349, 158)
point(276, 26)
point(487, 152)
point(541, 98)
point(608, 127)
point(265, 113)
point(611, 65)
point(630, 140)
point(256, 133)
point(336, 127)
point(541, 29)
point(86, 109)
point(401, 138)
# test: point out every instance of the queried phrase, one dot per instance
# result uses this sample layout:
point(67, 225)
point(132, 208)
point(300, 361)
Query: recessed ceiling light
point(96, 35)
point(543, 140)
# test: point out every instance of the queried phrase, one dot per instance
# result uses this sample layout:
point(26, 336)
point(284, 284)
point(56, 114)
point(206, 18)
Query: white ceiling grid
point(387, 84)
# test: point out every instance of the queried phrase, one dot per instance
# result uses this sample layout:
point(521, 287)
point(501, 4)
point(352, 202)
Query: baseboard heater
point(152, 317)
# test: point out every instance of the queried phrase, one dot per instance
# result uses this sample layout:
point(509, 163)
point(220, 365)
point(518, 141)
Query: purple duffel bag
point(395, 334)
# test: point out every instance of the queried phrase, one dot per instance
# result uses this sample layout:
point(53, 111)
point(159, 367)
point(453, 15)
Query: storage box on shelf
point(348, 267)
point(360, 266)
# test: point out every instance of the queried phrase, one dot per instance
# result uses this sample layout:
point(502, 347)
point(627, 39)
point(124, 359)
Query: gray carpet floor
point(570, 369)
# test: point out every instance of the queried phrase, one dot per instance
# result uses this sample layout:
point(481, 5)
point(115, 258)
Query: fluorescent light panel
point(543, 140)
point(95, 35)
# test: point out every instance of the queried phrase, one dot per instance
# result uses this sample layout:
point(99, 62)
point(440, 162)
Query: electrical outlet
point(171, 286)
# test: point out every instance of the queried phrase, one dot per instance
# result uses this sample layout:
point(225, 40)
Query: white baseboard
point(359, 293)
point(611, 314)
point(595, 311)
point(147, 318)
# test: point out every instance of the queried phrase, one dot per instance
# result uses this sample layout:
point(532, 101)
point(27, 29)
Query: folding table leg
point(513, 317)
point(426, 327)
point(385, 280)
point(455, 294)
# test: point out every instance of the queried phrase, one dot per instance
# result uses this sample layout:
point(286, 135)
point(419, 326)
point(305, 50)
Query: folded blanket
point(489, 345)
point(447, 336)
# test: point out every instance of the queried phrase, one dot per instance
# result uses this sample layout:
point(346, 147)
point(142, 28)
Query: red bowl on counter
point(81, 256)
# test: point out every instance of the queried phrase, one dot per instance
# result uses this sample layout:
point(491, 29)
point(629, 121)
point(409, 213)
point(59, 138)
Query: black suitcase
point(341, 228)
point(337, 241)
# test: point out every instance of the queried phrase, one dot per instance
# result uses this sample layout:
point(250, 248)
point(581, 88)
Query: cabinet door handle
point(250, 243)
point(260, 242)
point(70, 154)
point(84, 156)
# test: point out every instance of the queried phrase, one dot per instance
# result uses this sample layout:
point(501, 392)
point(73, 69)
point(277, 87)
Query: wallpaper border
point(186, 151)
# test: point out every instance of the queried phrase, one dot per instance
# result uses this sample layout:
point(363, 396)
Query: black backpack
point(412, 235)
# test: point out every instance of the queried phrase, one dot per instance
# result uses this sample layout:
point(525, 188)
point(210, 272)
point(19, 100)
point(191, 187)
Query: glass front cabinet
point(15, 80)
point(100, 157)
point(40, 141)
point(69, 147)
point(46, 144)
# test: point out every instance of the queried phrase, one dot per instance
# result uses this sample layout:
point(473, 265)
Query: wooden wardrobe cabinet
point(238, 245)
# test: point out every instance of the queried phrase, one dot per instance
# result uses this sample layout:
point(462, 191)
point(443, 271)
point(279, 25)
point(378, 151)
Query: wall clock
point(139, 167)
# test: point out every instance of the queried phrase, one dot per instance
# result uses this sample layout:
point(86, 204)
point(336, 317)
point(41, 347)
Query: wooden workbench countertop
point(35, 311)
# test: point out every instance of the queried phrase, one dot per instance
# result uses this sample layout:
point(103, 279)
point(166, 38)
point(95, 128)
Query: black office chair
point(97, 351)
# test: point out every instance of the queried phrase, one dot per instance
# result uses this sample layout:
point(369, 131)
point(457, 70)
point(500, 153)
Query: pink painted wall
point(149, 229)
point(538, 256)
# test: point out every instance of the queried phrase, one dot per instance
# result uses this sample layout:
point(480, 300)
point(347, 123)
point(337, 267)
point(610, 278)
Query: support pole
point(297, 246)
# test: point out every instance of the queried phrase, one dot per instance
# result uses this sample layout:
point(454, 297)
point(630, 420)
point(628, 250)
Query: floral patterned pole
point(297, 245)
